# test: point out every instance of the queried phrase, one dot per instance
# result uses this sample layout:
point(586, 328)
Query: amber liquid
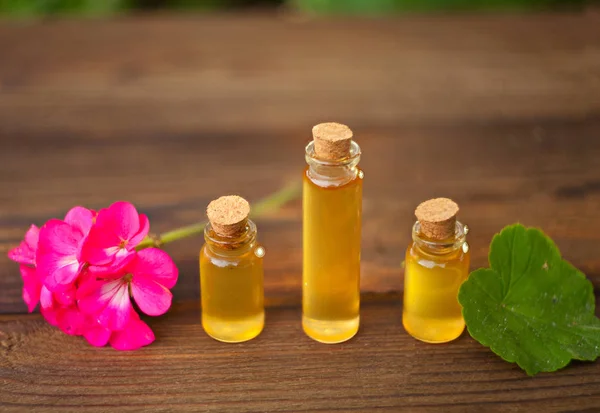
point(331, 259)
point(431, 282)
point(232, 295)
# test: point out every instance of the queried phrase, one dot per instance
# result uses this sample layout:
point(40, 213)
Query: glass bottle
point(332, 210)
point(231, 277)
point(437, 263)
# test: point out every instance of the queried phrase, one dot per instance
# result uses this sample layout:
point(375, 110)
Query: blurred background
point(20, 8)
point(170, 104)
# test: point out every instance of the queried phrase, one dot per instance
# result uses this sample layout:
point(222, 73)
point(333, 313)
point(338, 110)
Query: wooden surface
point(500, 113)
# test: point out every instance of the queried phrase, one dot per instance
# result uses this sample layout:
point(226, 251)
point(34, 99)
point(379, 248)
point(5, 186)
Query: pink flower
point(149, 276)
point(58, 259)
point(112, 240)
point(83, 271)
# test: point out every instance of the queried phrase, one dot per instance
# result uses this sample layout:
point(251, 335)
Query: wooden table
point(500, 113)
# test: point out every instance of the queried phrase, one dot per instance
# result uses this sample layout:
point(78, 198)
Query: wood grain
point(539, 173)
point(163, 76)
point(381, 369)
point(500, 113)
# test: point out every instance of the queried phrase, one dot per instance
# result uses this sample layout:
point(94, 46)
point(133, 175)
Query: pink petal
point(58, 237)
point(121, 218)
point(46, 299)
point(143, 231)
point(155, 264)
point(67, 317)
point(50, 314)
point(88, 286)
point(80, 218)
point(32, 237)
point(109, 300)
point(31, 287)
point(100, 246)
point(112, 270)
point(47, 306)
point(95, 334)
point(56, 259)
point(65, 298)
point(135, 335)
point(70, 320)
point(151, 297)
point(22, 254)
point(25, 252)
point(122, 257)
point(62, 271)
point(84, 277)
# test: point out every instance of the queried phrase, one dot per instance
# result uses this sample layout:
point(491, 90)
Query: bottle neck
point(440, 247)
point(231, 246)
point(332, 173)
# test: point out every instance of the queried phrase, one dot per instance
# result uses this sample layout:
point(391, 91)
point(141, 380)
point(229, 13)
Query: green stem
point(263, 207)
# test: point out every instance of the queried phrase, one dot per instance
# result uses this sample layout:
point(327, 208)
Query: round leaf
point(531, 307)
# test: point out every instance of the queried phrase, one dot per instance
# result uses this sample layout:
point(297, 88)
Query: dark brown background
point(500, 113)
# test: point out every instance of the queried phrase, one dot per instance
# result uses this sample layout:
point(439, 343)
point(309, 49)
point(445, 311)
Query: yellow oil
point(331, 259)
point(232, 295)
point(431, 309)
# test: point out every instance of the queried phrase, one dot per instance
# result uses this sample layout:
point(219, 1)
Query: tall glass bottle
point(231, 273)
point(437, 263)
point(332, 210)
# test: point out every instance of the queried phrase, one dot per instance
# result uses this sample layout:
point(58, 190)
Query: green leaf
point(32, 8)
point(531, 307)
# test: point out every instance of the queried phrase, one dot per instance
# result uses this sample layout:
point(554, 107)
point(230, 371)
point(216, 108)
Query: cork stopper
point(228, 215)
point(332, 141)
point(437, 218)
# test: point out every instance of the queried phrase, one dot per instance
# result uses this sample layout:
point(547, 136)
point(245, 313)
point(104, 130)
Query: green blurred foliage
point(25, 8)
point(200, 4)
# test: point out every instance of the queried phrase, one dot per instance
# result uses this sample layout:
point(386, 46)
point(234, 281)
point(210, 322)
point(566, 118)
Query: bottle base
point(233, 331)
point(433, 331)
point(330, 331)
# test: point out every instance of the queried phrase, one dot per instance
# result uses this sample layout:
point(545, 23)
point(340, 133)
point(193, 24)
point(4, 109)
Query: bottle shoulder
point(416, 254)
point(232, 258)
point(350, 180)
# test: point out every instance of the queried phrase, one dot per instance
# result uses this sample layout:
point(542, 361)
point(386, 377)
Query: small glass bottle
point(332, 210)
point(437, 263)
point(231, 273)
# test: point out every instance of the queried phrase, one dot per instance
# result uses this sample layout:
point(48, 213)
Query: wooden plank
point(381, 369)
point(541, 173)
point(95, 77)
